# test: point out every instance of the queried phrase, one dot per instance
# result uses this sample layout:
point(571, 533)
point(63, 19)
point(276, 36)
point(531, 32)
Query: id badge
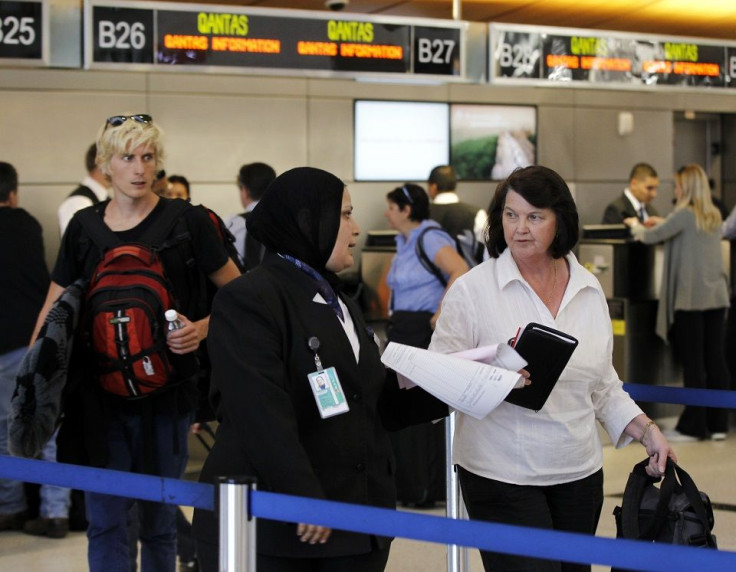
point(328, 392)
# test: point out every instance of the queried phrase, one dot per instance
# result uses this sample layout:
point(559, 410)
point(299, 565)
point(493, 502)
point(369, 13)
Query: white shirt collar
point(446, 198)
point(98, 189)
point(509, 272)
point(633, 199)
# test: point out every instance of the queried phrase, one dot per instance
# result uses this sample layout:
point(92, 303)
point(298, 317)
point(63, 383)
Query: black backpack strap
point(253, 249)
point(94, 225)
point(633, 493)
point(666, 490)
point(696, 501)
point(104, 238)
point(157, 234)
point(429, 266)
point(86, 192)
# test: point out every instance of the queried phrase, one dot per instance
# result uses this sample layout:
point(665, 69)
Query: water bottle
point(172, 321)
point(186, 365)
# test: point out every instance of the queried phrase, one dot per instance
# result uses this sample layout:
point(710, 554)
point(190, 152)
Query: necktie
point(642, 213)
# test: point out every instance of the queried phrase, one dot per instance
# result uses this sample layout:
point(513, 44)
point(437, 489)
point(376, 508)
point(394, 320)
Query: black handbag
point(674, 513)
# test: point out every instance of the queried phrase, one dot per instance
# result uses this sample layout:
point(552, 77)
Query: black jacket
point(270, 427)
point(622, 208)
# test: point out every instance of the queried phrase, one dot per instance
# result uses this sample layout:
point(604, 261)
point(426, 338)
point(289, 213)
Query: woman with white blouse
point(540, 468)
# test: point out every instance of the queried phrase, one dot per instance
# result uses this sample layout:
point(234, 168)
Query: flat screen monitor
point(487, 142)
point(400, 140)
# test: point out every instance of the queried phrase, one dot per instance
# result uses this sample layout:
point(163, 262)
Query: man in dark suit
point(447, 209)
point(636, 199)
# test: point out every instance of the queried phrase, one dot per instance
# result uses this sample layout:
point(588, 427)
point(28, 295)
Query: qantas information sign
point(171, 35)
point(523, 54)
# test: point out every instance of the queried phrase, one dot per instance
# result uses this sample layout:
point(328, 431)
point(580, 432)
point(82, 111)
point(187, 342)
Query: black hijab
point(299, 215)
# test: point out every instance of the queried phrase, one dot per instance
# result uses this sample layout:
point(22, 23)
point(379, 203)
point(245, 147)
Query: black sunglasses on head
point(117, 120)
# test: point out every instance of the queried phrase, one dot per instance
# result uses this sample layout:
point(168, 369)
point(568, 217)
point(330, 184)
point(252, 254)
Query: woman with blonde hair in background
point(693, 298)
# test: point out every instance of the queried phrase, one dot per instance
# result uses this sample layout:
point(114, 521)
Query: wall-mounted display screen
point(400, 140)
point(489, 141)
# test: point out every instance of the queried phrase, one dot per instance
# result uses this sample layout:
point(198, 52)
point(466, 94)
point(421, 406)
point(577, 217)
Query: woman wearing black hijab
point(302, 397)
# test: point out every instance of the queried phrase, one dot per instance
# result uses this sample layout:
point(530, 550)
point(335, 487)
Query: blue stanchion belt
point(681, 395)
point(386, 522)
point(556, 545)
point(510, 539)
point(118, 483)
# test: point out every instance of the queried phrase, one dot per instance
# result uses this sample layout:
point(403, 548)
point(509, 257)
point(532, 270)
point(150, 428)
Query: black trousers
point(419, 449)
point(698, 339)
point(374, 561)
point(572, 507)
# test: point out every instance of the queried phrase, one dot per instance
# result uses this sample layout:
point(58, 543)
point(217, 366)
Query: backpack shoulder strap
point(633, 493)
point(157, 234)
point(253, 250)
point(666, 490)
point(428, 265)
point(95, 227)
point(696, 501)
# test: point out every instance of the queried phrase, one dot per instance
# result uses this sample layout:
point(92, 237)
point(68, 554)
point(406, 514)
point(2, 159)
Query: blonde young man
point(145, 435)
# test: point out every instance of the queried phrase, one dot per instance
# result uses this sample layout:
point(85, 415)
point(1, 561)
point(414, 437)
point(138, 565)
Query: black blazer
point(622, 208)
point(270, 427)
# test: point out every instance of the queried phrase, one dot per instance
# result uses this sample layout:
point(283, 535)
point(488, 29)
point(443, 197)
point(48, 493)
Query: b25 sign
point(21, 30)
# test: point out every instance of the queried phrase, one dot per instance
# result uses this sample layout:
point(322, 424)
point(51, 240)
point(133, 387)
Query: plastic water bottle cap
point(171, 315)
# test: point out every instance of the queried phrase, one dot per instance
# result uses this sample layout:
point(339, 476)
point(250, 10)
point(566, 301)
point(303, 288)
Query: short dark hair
point(444, 177)
point(256, 177)
point(90, 158)
point(8, 180)
point(415, 197)
point(543, 188)
point(642, 171)
point(182, 180)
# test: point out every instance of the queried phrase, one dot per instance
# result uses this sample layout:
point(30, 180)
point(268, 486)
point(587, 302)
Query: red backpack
point(128, 294)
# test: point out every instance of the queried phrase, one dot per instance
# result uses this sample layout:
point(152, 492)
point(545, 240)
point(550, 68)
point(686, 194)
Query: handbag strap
point(696, 501)
point(673, 474)
point(633, 493)
point(666, 489)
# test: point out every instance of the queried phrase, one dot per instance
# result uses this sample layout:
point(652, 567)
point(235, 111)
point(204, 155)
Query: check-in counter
point(630, 274)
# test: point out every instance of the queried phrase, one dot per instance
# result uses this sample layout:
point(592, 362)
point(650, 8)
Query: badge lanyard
point(325, 386)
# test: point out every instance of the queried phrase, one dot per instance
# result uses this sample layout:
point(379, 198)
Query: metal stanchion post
point(237, 526)
point(457, 556)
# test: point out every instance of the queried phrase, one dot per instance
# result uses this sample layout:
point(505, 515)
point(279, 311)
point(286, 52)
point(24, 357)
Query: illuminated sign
point(580, 56)
point(731, 67)
point(22, 32)
point(239, 38)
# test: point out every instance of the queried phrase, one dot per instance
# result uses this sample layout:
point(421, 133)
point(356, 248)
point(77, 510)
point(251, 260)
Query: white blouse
point(560, 443)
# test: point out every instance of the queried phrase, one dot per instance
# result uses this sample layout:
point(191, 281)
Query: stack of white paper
point(465, 381)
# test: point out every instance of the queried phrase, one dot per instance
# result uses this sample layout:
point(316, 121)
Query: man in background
point(447, 209)
point(253, 180)
point(25, 281)
point(636, 199)
point(92, 190)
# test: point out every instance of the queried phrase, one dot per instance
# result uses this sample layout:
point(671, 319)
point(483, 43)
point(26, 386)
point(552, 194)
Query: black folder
point(547, 352)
